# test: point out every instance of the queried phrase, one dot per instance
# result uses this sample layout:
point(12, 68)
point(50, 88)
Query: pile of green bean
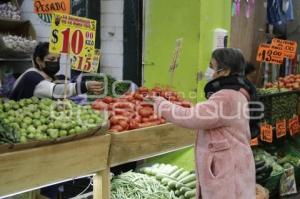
point(131, 185)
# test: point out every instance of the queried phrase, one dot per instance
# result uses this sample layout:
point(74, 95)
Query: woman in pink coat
point(224, 161)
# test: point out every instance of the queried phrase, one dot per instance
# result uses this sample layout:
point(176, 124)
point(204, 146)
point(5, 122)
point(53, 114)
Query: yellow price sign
point(74, 36)
point(92, 63)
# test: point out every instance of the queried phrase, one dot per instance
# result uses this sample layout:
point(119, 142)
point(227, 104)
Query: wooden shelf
point(145, 143)
point(31, 168)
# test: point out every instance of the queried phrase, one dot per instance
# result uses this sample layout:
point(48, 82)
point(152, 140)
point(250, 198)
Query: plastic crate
point(277, 106)
point(272, 184)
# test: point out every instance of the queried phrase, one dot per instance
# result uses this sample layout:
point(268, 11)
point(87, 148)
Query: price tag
point(75, 36)
point(254, 142)
point(96, 61)
point(294, 126)
point(266, 133)
point(50, 6)
point(288, 47)
point(281, 128)
point(269, 54)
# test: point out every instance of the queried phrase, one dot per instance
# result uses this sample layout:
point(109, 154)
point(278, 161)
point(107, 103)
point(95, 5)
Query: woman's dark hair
point(249, 68)
point(230, 58)
point(41, 51)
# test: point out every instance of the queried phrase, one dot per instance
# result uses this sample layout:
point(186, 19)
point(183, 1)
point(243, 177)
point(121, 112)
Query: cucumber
point(184, 174)
point(171, 184)
point(160, 176)
point(179, 185)
point(172, 170)
point(192, 184)
point(177, 173)
point(165, 181)
point(189, 178)
point(183, 190)
point(190, 194)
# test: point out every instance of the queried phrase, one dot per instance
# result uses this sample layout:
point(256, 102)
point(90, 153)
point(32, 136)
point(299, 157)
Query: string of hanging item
point(236, 7)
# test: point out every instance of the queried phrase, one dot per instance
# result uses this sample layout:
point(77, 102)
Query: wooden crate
point(31, 168)
point(148, 142)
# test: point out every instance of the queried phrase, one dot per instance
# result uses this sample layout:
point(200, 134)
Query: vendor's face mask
point(51, 67)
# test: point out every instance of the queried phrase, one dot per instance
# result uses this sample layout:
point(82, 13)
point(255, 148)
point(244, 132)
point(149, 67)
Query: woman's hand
point(95, 87)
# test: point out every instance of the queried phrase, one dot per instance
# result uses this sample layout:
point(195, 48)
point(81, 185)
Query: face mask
point(51, 68)
point(209, 73)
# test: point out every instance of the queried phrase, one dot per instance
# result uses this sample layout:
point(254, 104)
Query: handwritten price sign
point(281, 128)
point(287, 47)
point(270, 54)
point(75, 36)
point(276, 51)
point(93, 63)
point(294, 126)
point(266, 133)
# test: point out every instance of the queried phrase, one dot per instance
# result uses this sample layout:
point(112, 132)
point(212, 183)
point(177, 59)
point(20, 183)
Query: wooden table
point(144, 143)
point(37, 167)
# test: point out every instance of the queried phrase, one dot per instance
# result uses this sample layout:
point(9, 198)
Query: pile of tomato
point(291, 82)
point(133, 111)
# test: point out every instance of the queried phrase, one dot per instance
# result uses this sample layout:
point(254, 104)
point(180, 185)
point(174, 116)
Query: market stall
point(36, 167)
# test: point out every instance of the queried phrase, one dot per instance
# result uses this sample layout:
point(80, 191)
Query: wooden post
point(101, 181)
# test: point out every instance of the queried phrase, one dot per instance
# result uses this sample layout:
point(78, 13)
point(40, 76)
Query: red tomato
point(138, 96)
point(137, 118)
point(153, 118)
point(107, 100)
point(145, 119)
point(133, 125)
point(119, 111)
point(162, 121)
point(186, 104)
point(116, 118)
point(124, 105)
point(124, 124)
point(146, 111)
point(116, 128)
point(146, 104)
point(100, 105)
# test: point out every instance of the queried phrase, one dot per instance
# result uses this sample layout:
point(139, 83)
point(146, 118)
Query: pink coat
point(224, 160)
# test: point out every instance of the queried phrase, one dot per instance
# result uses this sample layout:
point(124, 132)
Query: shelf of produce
point(37, 167)
point(148, 142)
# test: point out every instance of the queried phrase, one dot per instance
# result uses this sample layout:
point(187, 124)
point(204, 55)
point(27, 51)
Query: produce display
point(278, 105)
point(34, 119)
point(261, 155)
point(182, 182)
point(291, 82)
point(19, 44)
point(131, 111)
point(9, 11)
point(131, 185)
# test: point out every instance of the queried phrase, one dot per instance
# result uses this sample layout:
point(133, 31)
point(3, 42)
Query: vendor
point(41, 80)
point(250, 72)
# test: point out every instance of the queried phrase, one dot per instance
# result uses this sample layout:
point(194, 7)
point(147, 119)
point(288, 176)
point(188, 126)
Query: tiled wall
point(111, 33)
point(112, 37)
